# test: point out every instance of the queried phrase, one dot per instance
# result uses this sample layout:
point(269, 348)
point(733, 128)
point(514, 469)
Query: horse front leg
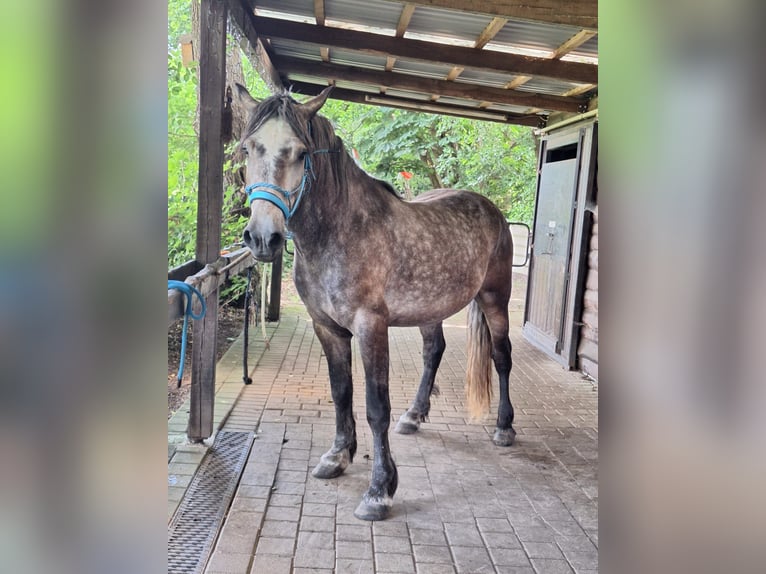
point(372, 334)
point(336, 344)
point(433, 349)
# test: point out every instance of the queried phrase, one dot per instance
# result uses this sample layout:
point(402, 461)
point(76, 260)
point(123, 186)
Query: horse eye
point(244, 149)
point(302, 155)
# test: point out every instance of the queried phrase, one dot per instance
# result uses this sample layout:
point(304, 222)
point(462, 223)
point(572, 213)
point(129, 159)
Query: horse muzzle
point(264, 247)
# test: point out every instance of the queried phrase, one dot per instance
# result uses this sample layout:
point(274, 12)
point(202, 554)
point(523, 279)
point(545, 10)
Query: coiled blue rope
point(189, 292)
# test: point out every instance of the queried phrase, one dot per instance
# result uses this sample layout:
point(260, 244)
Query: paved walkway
point(463, 504)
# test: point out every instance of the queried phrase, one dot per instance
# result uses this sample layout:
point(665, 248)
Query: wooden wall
point(587, 350)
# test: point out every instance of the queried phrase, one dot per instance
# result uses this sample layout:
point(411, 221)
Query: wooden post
point(275, 296)
point(213, 17)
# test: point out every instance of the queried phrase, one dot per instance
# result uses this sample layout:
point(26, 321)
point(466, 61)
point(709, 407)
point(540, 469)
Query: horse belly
point(429, 299)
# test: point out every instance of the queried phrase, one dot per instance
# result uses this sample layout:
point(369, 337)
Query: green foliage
point(496, 160)
point(183, 150)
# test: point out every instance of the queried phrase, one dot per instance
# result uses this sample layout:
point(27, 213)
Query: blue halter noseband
point(285, 197)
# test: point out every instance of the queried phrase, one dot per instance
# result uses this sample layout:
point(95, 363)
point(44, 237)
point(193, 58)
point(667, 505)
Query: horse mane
point(316, 134)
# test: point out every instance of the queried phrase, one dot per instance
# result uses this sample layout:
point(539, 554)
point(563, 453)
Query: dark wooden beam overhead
point(578, 13)
point(308, 89)
point(425, 51)
point(427, 85)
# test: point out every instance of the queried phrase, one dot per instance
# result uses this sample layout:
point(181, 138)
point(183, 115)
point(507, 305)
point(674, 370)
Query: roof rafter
point(574, 42)
point(490, 32)
point(404, 19)
point(319, 12)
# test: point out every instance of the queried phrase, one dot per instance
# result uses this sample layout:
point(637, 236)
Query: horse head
point(278, 150)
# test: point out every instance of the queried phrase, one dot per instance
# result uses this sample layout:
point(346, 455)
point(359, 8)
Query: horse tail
point(478, 376)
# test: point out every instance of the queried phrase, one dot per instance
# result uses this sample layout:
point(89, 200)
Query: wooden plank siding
point(587, 350)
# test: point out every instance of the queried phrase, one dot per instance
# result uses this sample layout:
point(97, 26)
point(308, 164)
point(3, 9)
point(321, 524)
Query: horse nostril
point(275, 240)
point(247, 237)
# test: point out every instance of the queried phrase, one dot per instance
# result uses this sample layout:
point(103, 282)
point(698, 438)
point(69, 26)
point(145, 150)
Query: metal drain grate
point(195, 525)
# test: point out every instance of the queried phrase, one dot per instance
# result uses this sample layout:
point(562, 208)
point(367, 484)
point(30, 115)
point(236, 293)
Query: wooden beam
point(404, 19)
point(575, 41)
point(408, 104)
point(325, 54)
point(427, 85)
point(516, 82)
point(213, 18)
point(181, 272)
point(207, 279)
point(579, 90)
point(423, 51)
point(242, 15)
point(581, 13)
point(489, 32)
point(390, 63)
point(454, 73)
point(319, 12)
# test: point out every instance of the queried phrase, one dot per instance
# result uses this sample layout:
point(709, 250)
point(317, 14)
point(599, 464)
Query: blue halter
point(285, 197)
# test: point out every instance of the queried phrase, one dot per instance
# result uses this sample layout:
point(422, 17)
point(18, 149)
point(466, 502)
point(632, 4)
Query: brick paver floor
point(463, 504)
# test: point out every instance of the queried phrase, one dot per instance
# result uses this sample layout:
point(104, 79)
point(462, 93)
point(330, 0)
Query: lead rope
point(264, 280)
point(189, 292)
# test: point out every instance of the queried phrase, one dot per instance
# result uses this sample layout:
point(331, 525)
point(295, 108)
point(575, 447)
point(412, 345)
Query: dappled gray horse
point(366, 260)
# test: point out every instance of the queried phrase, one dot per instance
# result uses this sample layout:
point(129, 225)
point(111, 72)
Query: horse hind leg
point(494, 307)
point(433, 349)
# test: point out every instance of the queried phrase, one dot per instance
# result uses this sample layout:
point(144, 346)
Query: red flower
point(405, 174)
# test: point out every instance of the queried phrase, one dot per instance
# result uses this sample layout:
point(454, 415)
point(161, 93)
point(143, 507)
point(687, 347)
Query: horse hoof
point(372, 509)
point(331, 465)
point(407, 424)
point(504, 437)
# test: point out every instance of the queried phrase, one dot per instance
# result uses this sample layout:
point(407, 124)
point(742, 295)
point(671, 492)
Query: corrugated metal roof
point(379, 14)
point(430, 24)
point(295, 50)
point(358, 59)
point(546, 86)
point(303, 8)
point(471, 76)
point(589, 48)
point(448, 23)
point(423, 69)
point(533, 35)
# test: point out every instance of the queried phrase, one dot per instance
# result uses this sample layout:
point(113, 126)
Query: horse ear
point(315, 103)
point(244, 96)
